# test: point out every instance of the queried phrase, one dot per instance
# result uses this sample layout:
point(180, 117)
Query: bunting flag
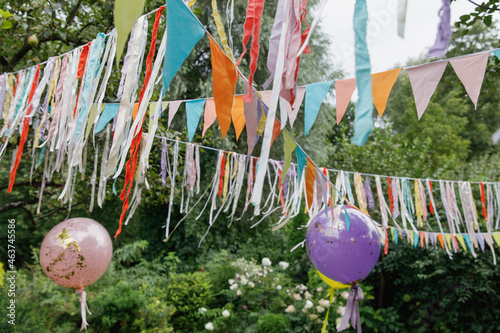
point(194, 109)
point(363, 122)
point(224, 82)
point(184, 31)
point(343, 93)
point(301, 162)
point(315, 94)
point(470, 71)
point(424, 80)
point(173, 107)
point(209, 115)
point(444, 32)
point(238, 115)
point(289, 146)
point(109, 113)
point(251, 120)
point(381, 88)
point(125, 13)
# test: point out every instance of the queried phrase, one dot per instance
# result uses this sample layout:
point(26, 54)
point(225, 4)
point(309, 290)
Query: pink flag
point(209, 116)
point(266, 96)
point(424, 80)
point(172, 110)
point(470, 70)
point(343, 91)
point(299, 97)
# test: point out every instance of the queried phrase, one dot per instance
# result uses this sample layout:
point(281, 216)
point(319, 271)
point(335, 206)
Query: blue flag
point(193, 114)
point(183, 32)
point(315, 94)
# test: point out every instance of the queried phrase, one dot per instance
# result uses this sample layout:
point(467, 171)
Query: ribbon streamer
point(84, 308)
point(352, 309)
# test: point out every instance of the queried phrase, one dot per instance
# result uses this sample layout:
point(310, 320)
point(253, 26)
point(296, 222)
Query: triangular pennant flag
point(310, 177)
point(381, 88)
point(424, 80)
point(461, 240)
point(289, 147)
point(470, 70)
point(299, 97)
point(480, 240)
point(343, 93)
point(496, 237)
point(497, 53)
point(183, 32)
point(315, 94)
point(209, 115)
point(224, 79)
point(266, 96)
point(194, 108)
point(125, 15)
point(301, 161)
point(172, 110)
point(276, 130)
point(238, 115)
point(109, 112)
point(440, 238)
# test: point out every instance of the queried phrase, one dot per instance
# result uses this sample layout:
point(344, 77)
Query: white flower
point(260, 274)
point(320, 289)
point(234, 286)
point(266, 262)
point(324, 303)
point(297, 297)
point(251, 284)
point(278, 287)
point(320, 309)
point(308, 305)
point(231, 282)
point(313, 316)
point(302, 287)
point(284, 264)
point(239, 292)
point(226, 313)
point(244, 281)
point(308, 295)
point(202, 310)
point(345, 295)
point(247, 274)
point(341, 310)
point(209, 326)
point(338, 321)
point(304, 310)
point(290, 309)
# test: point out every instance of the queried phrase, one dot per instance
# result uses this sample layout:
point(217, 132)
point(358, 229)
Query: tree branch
point(14, 205)
point(34, 184)
point(59, 209)
point(73, 12)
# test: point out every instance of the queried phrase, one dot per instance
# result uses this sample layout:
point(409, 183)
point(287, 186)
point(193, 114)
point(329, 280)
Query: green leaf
point(6, 25)
point(126, 12)
point(197, 11)
point(488, 20)
point(464, 18)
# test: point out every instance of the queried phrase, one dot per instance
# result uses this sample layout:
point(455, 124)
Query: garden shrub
point(273, 323)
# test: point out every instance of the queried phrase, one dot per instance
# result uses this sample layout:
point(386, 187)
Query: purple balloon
point(343, 256)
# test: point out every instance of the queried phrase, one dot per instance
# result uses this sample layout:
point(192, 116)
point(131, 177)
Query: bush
point(273, 323)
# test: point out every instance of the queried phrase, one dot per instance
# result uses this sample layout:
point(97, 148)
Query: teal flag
point(301, 161)
point(497, 53)
point(193, 114)
point(109, 112)
point(315, 94)
point(363, 121)
point(183, 32)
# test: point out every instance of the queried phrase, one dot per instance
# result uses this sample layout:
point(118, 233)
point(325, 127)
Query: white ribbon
point(84, 308)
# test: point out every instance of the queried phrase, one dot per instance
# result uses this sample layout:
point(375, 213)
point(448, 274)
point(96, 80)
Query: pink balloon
point(76, 253)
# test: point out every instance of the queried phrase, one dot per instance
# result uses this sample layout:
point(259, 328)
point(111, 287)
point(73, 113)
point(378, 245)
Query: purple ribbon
point(352, 309)
point(163, 172)
point(368, 192)
point(444, 32)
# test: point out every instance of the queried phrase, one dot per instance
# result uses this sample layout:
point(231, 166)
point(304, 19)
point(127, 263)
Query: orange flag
point(224, 82)
point(238, 115)
point(310, 177)
point(381, 88)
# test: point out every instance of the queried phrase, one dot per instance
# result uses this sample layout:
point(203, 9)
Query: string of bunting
point(63, 104)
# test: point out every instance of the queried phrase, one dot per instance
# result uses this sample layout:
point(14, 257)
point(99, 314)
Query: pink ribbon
point(84, 308)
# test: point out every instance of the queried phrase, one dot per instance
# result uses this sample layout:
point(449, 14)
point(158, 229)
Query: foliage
point(273, 323)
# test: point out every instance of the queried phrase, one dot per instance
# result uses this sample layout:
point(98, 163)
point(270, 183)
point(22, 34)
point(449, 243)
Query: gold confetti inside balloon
point(76, 253)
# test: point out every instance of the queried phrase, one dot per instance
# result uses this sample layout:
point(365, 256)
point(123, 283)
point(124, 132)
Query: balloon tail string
point(84, 308)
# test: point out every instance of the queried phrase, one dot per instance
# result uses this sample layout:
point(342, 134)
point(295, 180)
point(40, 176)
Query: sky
point(387, 50)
